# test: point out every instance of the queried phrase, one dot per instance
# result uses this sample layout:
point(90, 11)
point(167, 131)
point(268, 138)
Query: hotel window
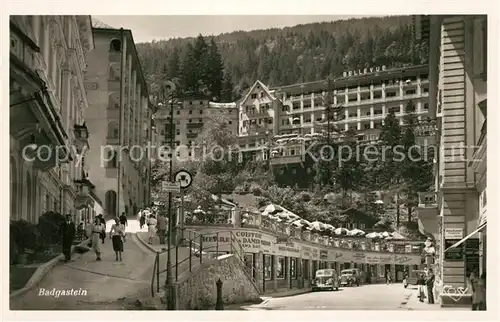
point(178, 112)
point(366, 126)
point(293, 268)
point(190, 102)
point(307, 105)
point(377, 112)
point(353, 99)
point(354, 114)
point(190, 112)
point(201, 102)
point(253, 96)
point(190, 120)
point(426, 106)
point(424, 76)
point(281, 268)
point(261, 94)
point(296, 106)
point(410, 92)
point(268, 267)
point(426, 89)
point(390, 94)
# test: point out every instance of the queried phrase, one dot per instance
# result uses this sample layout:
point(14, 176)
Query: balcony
point(191, 135)
point(194, 125)
point(427, 199)
point(286, 159)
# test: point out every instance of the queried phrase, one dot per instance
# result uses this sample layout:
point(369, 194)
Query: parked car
point(350, 277)
point(326, 279)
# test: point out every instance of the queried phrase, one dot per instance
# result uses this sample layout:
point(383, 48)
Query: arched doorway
point(110, 203)
point(29, 196)
point(13, 188)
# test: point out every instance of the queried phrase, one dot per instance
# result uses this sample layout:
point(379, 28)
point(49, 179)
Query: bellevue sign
point(364, 71)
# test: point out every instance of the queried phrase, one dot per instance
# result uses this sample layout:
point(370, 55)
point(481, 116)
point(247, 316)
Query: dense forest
point(224, 66)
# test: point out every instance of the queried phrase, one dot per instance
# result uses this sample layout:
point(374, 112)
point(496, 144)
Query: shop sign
point(310, 252)
point(359, 256)
point(453, 233)
point(363, 71)
point(251, 241)
point(371, 259)
point(402, 259)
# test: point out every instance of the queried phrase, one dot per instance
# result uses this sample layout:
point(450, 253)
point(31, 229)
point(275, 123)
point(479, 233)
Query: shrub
point(256, 189)
point(48, 225)
point(25, 236)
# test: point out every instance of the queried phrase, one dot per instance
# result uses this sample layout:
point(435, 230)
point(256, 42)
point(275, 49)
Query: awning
point(466, 237)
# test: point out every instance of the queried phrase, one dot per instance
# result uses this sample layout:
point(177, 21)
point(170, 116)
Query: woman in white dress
point(151, 228)
point(97, 229)
point(117, 235)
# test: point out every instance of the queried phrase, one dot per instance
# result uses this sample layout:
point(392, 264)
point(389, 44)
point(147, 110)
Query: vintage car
point(326, 279)
point(350, 277)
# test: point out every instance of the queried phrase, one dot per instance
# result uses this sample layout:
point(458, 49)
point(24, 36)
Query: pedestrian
point(429, 282)
point(161, 227)
point(117, 235)
point(101, 221)
point(478, 292)
point(123, 219)
point(151, 228)
point(142, 220)
point(421, 285)
point(388, 277)
point(97, 230)
point(67, 231)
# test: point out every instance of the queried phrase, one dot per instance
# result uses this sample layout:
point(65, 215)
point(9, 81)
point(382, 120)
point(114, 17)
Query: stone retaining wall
point(197, 290)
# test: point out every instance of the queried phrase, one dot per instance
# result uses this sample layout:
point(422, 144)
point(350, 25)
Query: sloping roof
point(99, 24)
point(264, 87)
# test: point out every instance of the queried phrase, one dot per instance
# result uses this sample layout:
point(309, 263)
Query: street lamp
point(167, 92)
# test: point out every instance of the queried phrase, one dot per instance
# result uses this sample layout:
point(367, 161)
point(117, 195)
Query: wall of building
point(197, 290)
point(59, 38)
point(460, 90)
point(126, 124)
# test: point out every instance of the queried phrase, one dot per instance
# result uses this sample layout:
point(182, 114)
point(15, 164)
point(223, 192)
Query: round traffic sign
point(184, 178)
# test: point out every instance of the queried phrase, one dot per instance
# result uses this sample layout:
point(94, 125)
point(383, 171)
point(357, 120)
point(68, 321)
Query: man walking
point(429, 282)
point(161, 226)
point(67, 234)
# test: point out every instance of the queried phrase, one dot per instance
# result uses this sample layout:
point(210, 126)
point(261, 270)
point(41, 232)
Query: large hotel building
point(119, 118)
point(272, 123)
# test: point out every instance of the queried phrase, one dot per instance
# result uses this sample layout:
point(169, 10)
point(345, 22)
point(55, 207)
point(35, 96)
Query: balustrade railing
point(190, 251)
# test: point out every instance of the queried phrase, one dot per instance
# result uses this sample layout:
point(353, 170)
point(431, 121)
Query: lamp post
point(167, 92)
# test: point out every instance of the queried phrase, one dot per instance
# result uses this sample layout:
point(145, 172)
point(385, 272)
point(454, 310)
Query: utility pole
point(167, 92)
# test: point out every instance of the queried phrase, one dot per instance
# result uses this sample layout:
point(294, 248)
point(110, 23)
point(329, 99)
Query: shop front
point(279, 266)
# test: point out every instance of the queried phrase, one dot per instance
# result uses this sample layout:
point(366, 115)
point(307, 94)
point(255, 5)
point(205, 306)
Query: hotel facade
point(48, 101)
point(274, 122)
point(455, 215)
point(119, 118)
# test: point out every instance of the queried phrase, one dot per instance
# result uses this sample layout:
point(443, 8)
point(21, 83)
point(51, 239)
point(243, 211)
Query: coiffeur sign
point(255, 242)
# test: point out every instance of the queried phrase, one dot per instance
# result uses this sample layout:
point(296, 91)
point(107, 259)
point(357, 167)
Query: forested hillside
point(283, 56)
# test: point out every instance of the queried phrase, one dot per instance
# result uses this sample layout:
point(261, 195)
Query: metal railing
point(196, 254)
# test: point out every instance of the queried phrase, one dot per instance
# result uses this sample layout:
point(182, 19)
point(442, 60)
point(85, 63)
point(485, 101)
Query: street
point(366, 297)
point(104, 282)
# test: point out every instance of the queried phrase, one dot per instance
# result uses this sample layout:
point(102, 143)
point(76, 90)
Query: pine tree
point(389, 163)
point(173, 64)
point(227, 94)
point(215, 72)
point(189, 80)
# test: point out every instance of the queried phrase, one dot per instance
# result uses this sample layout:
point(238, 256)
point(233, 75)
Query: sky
point(147, 28)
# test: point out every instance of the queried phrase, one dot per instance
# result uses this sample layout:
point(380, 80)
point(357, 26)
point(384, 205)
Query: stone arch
point(113, 130)
point(115, 45)
point(110, 203)
point(14, 179)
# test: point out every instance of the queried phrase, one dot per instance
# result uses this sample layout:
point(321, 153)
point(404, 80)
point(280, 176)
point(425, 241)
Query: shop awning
point(466, 237)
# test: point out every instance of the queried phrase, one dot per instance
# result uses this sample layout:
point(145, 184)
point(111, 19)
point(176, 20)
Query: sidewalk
point(413, 303)
point(103, 282)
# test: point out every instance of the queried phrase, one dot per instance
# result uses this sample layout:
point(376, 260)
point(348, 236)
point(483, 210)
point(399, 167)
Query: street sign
point(167, 186)
point(184, 178)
